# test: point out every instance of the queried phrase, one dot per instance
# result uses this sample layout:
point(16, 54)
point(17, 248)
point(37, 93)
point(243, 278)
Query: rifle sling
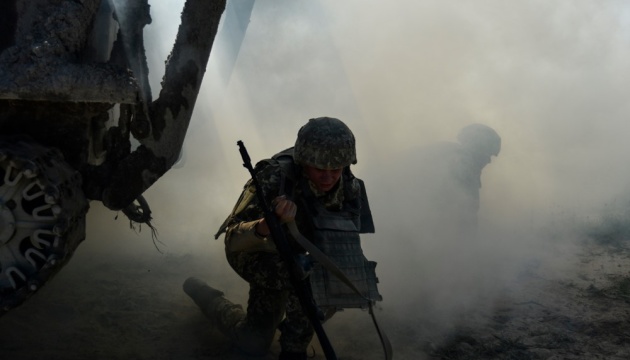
point(334, 269)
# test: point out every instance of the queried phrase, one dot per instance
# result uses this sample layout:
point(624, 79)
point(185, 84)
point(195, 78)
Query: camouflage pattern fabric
point(325, 143)
point(270, 296)
point(270, 299)
point(269, 178)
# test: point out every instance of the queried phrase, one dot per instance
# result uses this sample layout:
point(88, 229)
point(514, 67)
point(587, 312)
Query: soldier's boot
point(205, 296)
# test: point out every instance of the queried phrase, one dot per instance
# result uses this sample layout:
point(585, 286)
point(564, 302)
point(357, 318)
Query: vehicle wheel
point(42, 217)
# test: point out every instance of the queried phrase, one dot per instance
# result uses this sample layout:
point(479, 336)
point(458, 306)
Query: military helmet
point(480, 138)
point(325, 143)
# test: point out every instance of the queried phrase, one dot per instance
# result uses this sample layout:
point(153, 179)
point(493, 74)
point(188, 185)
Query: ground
point(583, 315)
point(127, 306)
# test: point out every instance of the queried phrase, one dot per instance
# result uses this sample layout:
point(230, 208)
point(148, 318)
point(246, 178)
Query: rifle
point(300, 285)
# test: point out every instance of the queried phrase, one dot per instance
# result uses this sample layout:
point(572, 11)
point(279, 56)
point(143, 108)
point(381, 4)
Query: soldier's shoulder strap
point(288, 177)
point(289, 171)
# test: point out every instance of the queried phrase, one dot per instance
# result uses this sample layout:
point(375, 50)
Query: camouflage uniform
point(255, 259)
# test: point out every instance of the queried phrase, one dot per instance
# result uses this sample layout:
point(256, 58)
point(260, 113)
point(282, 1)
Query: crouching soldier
point(315, 196)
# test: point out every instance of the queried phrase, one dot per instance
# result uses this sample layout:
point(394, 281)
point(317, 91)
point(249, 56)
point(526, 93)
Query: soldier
point(478, 144)
point(312, 185)
point(450, 177)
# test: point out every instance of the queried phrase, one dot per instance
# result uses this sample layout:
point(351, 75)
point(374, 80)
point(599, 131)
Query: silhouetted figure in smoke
point(428, 208)
point(452, 178)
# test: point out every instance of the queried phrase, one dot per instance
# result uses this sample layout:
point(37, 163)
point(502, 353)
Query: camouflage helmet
point(480, 138)
point(325, 143)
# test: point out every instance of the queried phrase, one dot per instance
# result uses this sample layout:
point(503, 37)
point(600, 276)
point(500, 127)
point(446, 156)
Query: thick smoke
point(550, 77)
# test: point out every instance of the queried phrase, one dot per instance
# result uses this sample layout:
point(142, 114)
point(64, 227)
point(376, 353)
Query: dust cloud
point(552, 78)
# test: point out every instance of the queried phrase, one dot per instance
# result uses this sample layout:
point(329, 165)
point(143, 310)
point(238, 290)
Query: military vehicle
point(78, 123)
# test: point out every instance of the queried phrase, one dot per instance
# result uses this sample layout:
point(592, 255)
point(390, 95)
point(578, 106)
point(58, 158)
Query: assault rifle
point(300, 285)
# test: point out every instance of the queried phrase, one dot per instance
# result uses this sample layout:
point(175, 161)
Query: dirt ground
point(550, 315)
point(127, 306)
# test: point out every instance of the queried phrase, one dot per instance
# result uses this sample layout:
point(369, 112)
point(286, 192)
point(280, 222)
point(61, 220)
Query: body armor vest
point(336, 234)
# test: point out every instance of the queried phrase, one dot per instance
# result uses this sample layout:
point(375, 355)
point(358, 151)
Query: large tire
point(42, 217)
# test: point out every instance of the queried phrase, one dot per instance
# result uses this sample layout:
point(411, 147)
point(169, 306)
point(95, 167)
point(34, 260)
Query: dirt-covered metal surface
point(73, 75)
point(74, 83)
point(52, 57)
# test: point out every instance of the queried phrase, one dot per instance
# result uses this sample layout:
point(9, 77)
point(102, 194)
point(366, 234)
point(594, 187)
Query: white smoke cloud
point(551, 78)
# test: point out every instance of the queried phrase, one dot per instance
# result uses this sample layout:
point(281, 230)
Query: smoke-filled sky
point(552, 78)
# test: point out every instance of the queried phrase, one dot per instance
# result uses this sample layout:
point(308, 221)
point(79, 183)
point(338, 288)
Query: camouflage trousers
point(272, 305)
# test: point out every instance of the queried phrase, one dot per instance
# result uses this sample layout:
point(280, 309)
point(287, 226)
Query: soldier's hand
point(284, 208)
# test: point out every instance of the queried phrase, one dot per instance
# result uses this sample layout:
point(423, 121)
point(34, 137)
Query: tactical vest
point(337, 235)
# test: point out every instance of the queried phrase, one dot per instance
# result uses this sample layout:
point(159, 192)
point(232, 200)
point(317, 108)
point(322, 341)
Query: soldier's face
point(323, 179)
